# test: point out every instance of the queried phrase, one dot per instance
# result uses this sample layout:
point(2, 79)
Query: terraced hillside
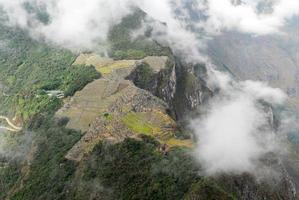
point(114, 108)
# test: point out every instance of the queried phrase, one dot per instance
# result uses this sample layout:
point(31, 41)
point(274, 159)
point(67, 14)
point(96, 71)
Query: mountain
point(98, 127)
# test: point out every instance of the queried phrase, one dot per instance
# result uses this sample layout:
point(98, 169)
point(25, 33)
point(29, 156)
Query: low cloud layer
point(249, 16)
point(73, 24)
point(78, 25)
point(15, 146)
point(237, 130)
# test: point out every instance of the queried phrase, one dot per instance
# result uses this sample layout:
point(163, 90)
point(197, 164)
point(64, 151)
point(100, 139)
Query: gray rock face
point(181, 85)
point(167, 91)
point(191, 90)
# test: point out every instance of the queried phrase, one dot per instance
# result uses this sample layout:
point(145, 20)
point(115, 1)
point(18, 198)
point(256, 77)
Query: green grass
point(138, 124)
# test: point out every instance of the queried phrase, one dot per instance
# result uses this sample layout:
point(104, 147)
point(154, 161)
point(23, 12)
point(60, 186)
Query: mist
point(15, 146)
point(76, 25)
point(234, 133)
point(236, 129)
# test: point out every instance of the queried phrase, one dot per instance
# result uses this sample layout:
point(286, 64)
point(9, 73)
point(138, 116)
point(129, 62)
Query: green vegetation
point(189, 81)
point(135, 169)
point(120, 64)
point(124, 46)
point(206, 189)
point(108, 116)
point(71, 79)
point(76, 77)
point(200, 70)
point(129, 54)
point(157, 125)
point(143, 75)
point(49, 171)
point(38, 11)
point(30, 105)
point(9, 174)
point(27, 67)
point(26, 64)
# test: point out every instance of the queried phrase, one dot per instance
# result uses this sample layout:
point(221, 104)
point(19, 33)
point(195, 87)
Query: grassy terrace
point(157, 125)
point(107, 69)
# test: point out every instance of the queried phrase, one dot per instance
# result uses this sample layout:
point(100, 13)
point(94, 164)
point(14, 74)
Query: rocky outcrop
point(179, 84)
point(191, 90)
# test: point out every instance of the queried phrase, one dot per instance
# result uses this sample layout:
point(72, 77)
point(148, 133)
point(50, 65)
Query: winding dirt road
point(12, 128)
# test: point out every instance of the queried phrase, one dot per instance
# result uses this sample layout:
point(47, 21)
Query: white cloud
point(78, 25)
point(74, 24)
point(235, 132)
point(245, 17)
point(175, 34)
point(226, 140)
point(81, 24)
point(15, 147)
point(16, 13)
point(261, 91)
